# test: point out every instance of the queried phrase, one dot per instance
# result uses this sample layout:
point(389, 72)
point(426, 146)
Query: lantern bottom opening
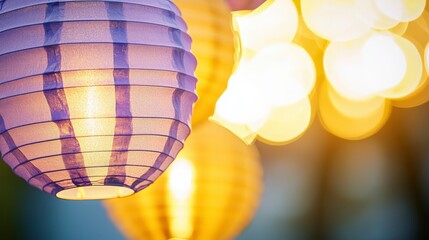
point(94, 192)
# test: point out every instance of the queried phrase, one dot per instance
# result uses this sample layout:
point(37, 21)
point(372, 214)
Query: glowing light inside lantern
point(180, 181)
point(91, 107)
point(180, 190)
point(94, 192)
point(96, 96)
point(216, 202)
point(89, 104)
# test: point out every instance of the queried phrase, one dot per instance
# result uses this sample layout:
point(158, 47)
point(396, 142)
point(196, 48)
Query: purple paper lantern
point(95, 96)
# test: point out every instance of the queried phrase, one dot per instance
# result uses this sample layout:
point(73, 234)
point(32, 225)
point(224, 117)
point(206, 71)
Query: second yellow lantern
point(210, 192)
point(209, 25)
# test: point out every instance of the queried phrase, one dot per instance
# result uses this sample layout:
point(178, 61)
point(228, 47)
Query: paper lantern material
point(210, 192)
point(209, 23)
point(95, 96)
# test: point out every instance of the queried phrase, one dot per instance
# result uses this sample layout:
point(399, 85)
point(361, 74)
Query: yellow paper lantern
point(210, 192)
point(427, 58)
point(209, 25)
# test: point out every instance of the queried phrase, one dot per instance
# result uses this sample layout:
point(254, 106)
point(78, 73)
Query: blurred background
point(317, 187)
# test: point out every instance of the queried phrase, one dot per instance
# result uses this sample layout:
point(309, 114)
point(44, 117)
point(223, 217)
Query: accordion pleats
point(93, 93)
point(226, 188)
point(209, 23)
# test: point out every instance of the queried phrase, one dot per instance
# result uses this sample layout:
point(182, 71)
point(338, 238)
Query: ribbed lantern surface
point(209, 23)
point(210, 192)
point(95, 96)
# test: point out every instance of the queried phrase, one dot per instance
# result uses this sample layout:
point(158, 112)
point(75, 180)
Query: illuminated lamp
point(209, 25)
point(210, 192)
point(95, 96)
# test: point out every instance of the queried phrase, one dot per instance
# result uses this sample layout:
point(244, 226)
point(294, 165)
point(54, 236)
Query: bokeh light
point(401, 10)
point(413, 74)
point(372, 16)
point(354, 108)
point(417, 98)
point(284, 72)
point(317, 186)
point(384, 62)
point(268, 18)
point(272, 79)
point(286, 123)
point(240, 108)
point(371, 65)
point(400, 28)
point(368, 55)
point(417, 32)
point(334, 20)
point(350, 127)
